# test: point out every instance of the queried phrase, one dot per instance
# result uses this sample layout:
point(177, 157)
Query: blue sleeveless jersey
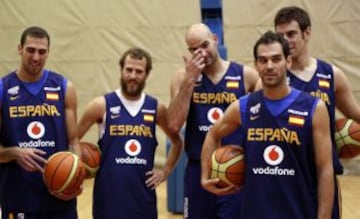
point(321, 85)
point(128, 148)
point(281, 178)
point(208, 104)
point(32, 120)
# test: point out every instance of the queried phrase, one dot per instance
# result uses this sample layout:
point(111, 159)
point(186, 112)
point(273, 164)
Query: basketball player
point(316, 77)
point(38, 119)
point(125, 182)
point(289, 172)
point(200, 94)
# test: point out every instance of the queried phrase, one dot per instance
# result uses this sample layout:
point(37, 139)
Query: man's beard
point(132, 92)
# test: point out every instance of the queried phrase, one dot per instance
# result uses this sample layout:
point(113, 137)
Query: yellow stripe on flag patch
point(52, 96)
point(296, 120)
point(232, 84)
point(324, 83)
point(148, 118)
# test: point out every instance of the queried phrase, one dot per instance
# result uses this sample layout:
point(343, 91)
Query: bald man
point(200, 93)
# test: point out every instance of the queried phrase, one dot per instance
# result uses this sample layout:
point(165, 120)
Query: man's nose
point(36, 55)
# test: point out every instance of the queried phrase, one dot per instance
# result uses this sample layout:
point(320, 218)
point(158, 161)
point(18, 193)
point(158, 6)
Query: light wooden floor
point(85, 205)
point(350, 186)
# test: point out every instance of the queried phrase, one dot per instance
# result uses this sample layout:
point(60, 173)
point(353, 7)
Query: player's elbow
point(177, 141)
point(174, 127)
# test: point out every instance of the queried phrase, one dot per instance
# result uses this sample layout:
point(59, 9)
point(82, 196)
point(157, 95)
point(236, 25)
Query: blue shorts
point(198, 203)
point(70, 213)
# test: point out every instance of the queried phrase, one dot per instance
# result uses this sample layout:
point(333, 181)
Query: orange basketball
point(227, 163)
point(90, 156)
point(347, 137)
point(64, 173)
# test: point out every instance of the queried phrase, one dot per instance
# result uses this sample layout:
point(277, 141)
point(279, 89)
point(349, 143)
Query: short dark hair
point(293, 13)
point(137, 53)
point(34, 31)
point(271, 37)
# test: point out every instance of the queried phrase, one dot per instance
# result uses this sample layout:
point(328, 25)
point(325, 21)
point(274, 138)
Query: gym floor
point(350, 189)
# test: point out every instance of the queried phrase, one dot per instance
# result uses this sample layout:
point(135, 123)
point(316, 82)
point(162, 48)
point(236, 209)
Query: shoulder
point(161, 107)
point(69, 88)
point(161, 112)
point(8, 77)
point(179, 74)
point(151, 99)
point(95, 110)
point(97, 103)
point(250, 70)
point(235, 64)
point(177, 78)
point(247, 69)
point(251, 77)
point(56, 75)
point(337, 71)
point(325, 66)
point(338, 75)
point(10, 74)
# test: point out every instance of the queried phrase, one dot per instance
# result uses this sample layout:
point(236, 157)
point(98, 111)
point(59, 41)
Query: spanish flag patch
point(148, 118)
point(324, 83)
point(52, 96)
point(296, 120)
point(232, 84)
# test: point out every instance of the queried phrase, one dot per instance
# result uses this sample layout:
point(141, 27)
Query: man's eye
point(262, 60)
point(33, 50)
point(42, 51)
point(30, 50)
point(205, 45)
point(192, 50)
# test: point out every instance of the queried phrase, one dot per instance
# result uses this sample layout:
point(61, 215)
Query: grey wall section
point(88, 37)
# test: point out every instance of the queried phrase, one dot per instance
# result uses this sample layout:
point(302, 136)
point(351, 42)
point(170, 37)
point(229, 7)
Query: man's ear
point(20, 49)
point(288, 62)
point(216, 38)
point(307, 33)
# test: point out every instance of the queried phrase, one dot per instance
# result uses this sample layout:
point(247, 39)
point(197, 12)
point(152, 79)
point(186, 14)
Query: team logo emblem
point(14, 90)
point(115, 112)
point(36, 130)
point(115, 109)
point(214, 114)
point(132, 147)
point(255, 109)
point(273, 155)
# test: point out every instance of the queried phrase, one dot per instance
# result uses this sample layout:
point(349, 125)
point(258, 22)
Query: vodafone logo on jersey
point(273, 155)
point(132, 148)
point(214, 114)
point(36, 130)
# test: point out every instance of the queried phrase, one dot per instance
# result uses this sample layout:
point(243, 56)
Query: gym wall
point(89, 36)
